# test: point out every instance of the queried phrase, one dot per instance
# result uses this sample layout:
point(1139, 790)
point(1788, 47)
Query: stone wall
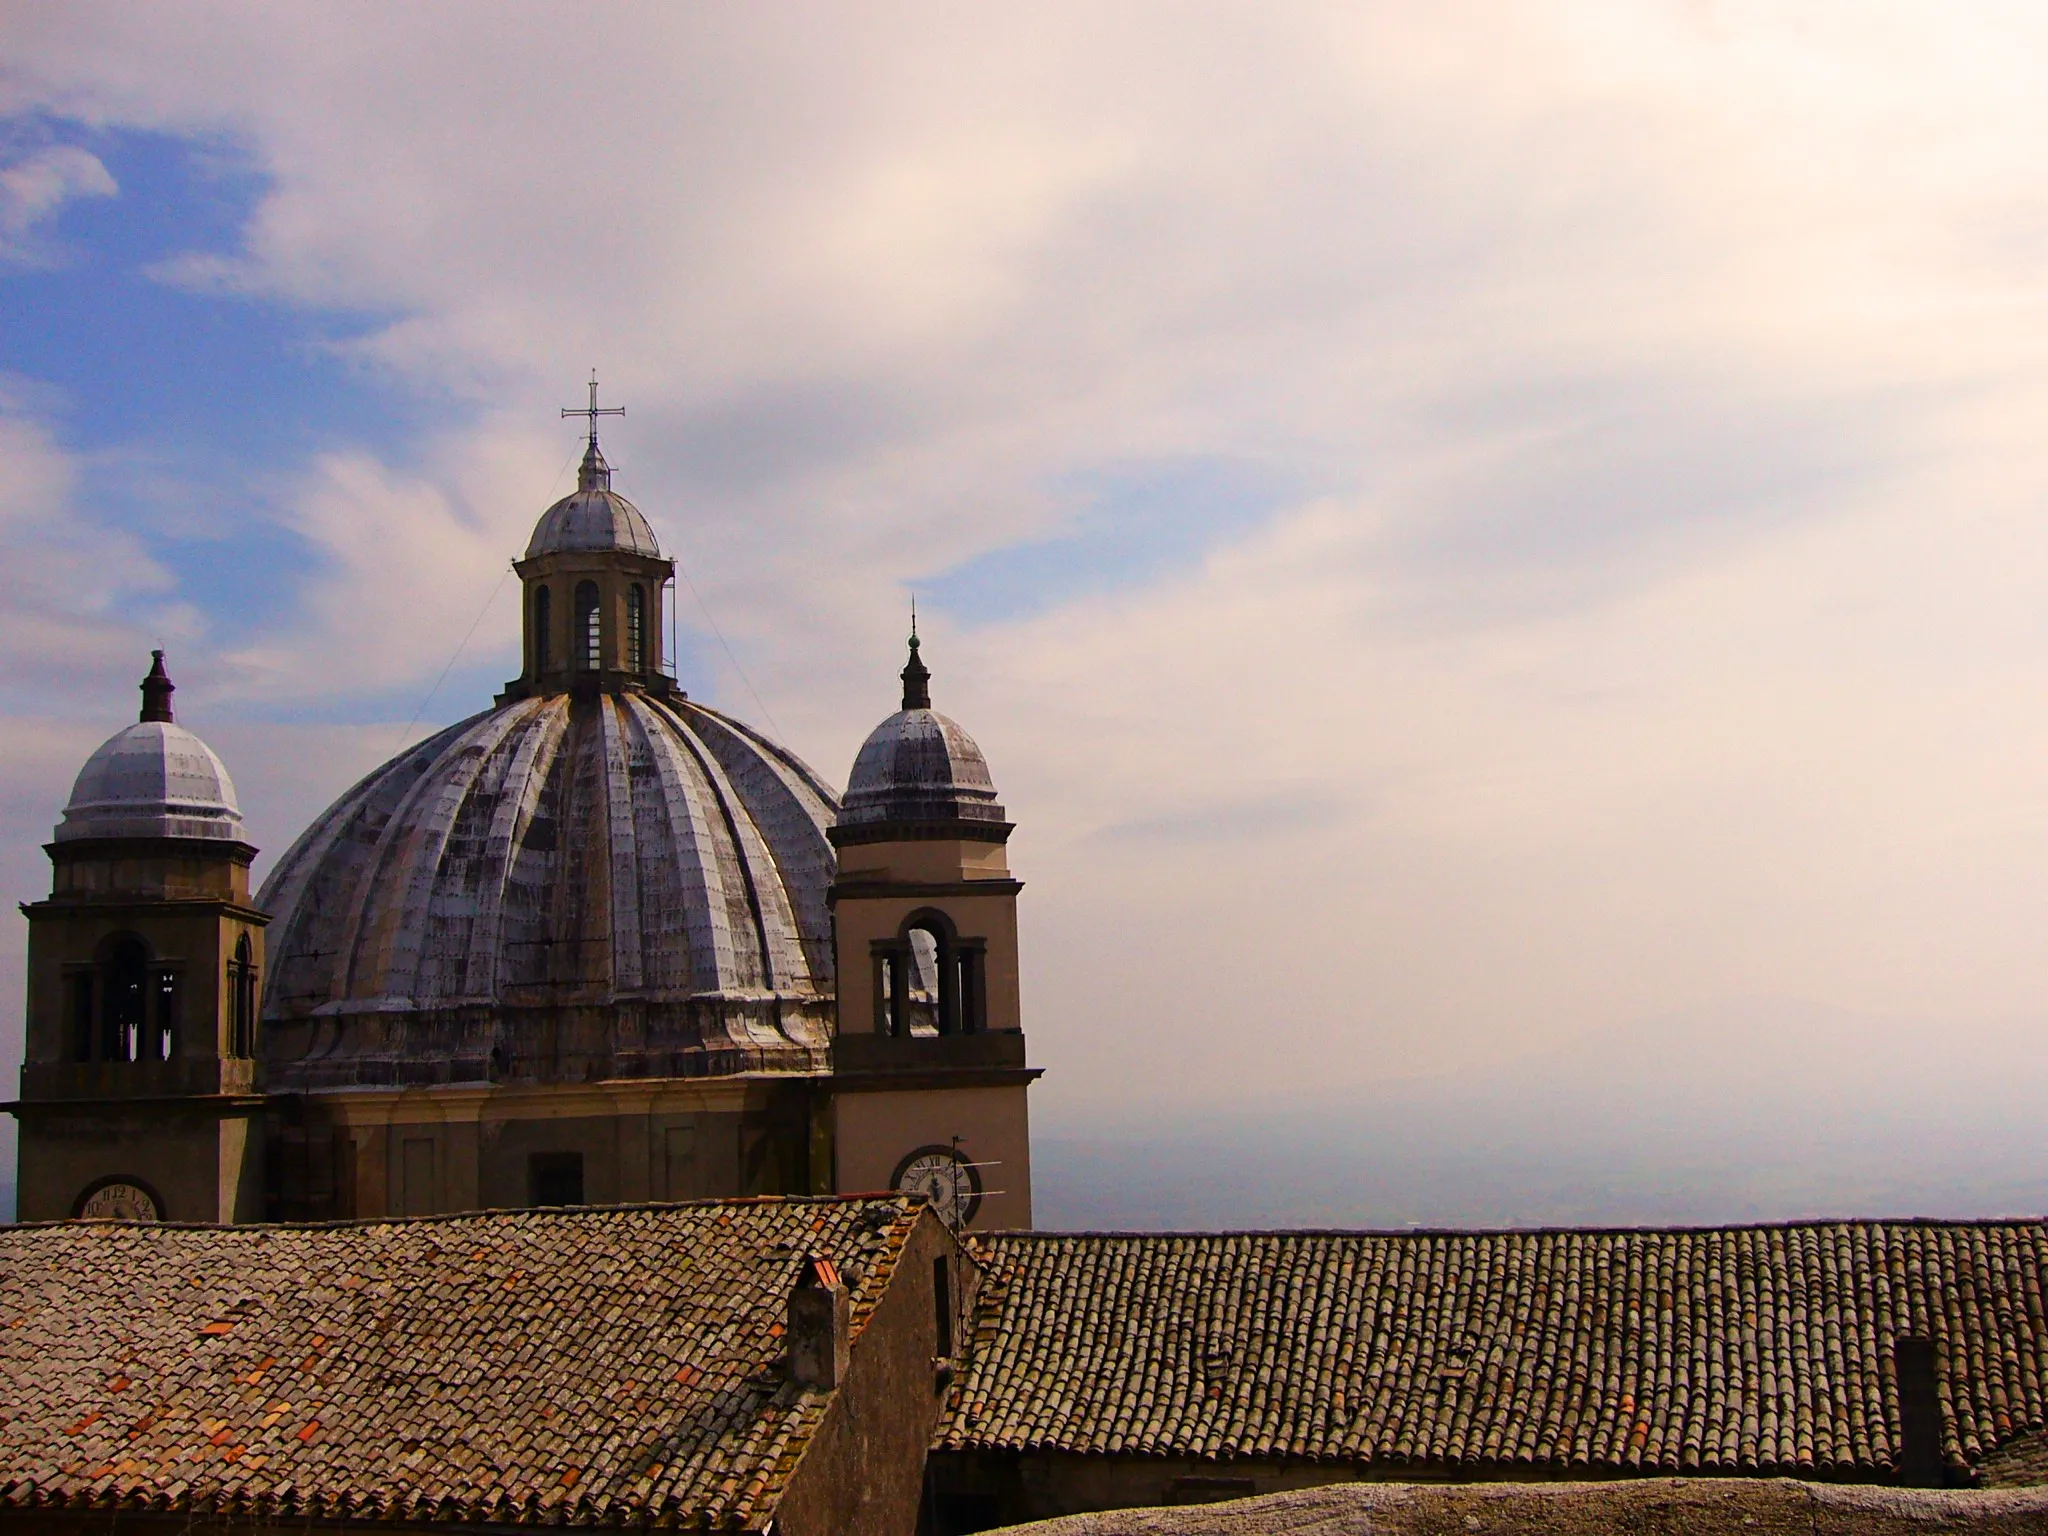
point(1651, 1507)
point(863, 1472)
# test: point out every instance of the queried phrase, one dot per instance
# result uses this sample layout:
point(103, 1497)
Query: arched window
point(242, 1000)
point(127, 1006)
point(543, 623)
point(589, 627)
point(636, 628)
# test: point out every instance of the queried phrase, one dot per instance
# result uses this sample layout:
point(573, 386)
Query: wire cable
point(704, 609)
point(405, 735)
point(560, 471)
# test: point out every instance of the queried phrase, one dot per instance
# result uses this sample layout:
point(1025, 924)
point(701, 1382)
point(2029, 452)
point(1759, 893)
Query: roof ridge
point(1801, 1223)
point(490, 1213)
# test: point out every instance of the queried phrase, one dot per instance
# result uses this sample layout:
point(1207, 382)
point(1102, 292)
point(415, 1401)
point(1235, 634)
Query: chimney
point(1919, 1460)
point(820, 1329)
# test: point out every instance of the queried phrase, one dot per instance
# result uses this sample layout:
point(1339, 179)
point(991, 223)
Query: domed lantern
point(594, 576)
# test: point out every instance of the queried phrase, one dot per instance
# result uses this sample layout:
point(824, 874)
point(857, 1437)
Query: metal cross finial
point(592, 411)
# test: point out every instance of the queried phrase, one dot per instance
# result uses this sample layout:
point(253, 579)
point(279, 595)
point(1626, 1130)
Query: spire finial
point(917, 681)
point(594, 474)
point(157, 689)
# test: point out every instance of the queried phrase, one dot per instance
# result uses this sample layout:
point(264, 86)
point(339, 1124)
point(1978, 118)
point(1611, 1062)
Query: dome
point(558, 850)
point(153, 779)
point(919, 766)
point(593, 517)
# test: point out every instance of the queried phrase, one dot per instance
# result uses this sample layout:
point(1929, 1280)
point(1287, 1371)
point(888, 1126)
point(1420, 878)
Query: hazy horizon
point(1699, 1120)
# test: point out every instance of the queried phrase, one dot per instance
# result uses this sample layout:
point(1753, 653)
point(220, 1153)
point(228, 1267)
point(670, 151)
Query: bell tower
point(139, 1092)
point(929, 1075)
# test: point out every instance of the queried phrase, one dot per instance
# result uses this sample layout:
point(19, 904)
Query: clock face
point(944, 1178)
point(119, 1200)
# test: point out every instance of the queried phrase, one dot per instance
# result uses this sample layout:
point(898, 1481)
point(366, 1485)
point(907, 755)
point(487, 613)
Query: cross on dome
point(594, 471)
point(593, 410)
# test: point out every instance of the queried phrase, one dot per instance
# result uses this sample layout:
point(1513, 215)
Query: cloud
point(34, 186)
point(1636, 597)
point(410, 565)
point(77, 599)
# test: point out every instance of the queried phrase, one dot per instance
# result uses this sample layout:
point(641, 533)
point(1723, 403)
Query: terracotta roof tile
point(571, 1367)
point(1739, 1349)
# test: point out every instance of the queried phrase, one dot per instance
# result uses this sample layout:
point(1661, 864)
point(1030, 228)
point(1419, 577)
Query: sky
point(1467, 533)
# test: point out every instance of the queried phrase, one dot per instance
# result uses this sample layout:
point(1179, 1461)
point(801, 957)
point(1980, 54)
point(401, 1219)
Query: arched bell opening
point(124, 1006)
point(929, 981)
point(124, 1016)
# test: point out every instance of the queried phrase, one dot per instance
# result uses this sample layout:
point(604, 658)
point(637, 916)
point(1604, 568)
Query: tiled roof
point(1742, 1349)
point(576, 1367)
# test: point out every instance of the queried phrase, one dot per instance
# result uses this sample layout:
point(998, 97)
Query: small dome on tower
point(154, 779)
point(919, 766)
point(593, 517)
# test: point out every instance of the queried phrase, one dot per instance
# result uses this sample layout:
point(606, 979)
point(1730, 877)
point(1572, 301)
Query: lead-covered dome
point(919, 766)
point(152, 779)
point(593, 517)
point(603, 885)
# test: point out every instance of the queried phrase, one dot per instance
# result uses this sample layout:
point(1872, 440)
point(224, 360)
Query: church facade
point(598, 944)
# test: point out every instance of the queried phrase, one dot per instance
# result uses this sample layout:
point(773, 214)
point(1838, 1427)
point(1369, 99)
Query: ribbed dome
point(591, 520)
point(559, 851)
point(917, 765)
point(154, 779)
point(592, 517)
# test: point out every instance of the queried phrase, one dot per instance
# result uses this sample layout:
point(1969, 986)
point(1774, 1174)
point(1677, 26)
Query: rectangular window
point(973, 989)
point(589, 623)
point(885, 995)
point(166, 1042)
point(554, 1178)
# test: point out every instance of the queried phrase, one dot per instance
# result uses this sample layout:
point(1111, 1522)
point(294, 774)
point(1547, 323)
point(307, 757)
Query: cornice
point(129, 902)
point(863, 888)
point(73, 850)
point(959, 830)
point(211, 1103)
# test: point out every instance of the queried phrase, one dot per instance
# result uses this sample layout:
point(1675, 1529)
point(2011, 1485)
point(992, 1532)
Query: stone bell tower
point(929, 1074)
point(139, 1093)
